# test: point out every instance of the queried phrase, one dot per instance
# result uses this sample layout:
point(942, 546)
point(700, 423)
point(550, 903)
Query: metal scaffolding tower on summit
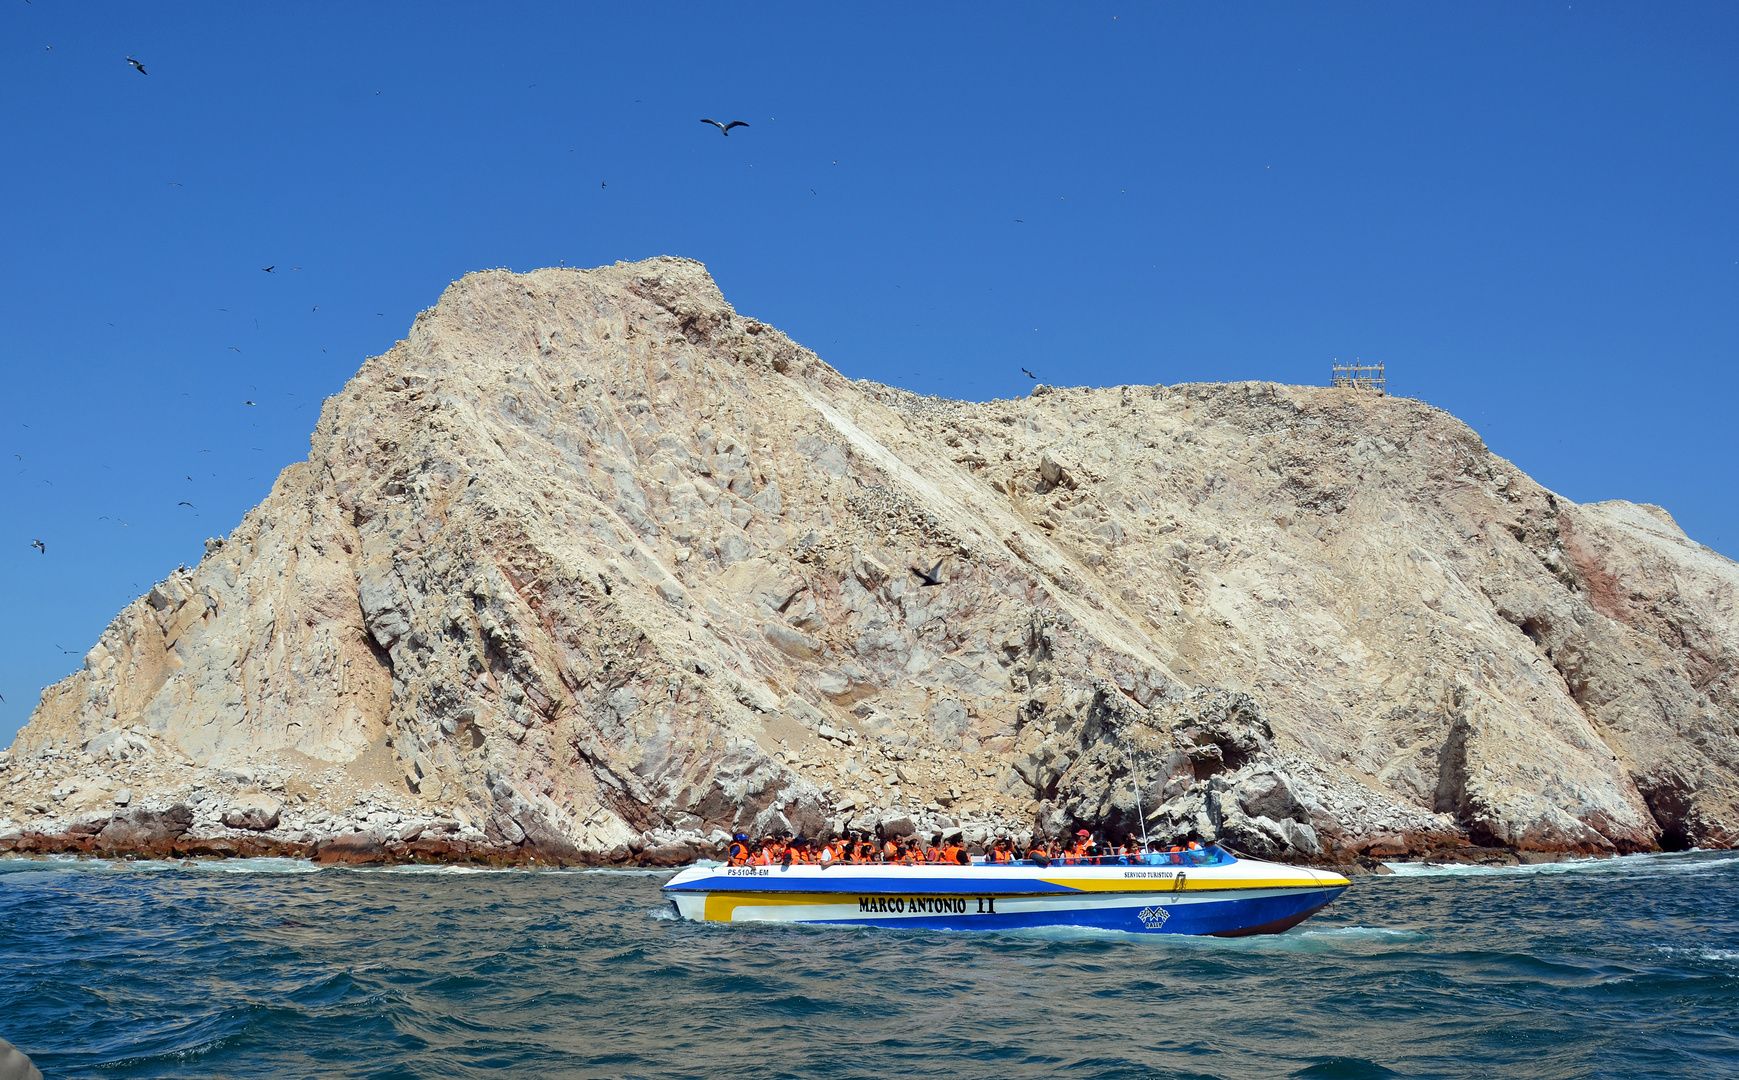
point(1360, 376)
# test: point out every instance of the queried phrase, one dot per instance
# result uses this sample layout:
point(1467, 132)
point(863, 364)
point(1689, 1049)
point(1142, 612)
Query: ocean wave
point(1702, 952)
point(1366, 933)
point(1656, 862)
point(128, 970)
point(254, 866)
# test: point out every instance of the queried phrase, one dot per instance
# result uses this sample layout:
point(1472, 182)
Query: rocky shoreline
point(72, 807)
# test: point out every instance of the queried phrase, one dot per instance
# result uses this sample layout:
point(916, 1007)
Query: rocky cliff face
point(590, 567)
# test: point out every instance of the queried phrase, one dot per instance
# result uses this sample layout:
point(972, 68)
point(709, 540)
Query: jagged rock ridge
point(592, 567)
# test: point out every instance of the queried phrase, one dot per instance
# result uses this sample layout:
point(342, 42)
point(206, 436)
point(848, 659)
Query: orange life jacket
point(739, 853)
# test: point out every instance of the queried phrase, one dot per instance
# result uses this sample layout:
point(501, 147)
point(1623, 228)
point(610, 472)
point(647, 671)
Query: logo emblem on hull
point(1152, 918)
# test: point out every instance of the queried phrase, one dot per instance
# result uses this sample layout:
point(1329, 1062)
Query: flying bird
point(726, 128)
point(40, 546)
point(1028, 374)
point(64, 652)
point(929, 577)
point(269, 269)
point(247, 403)
point(136, 64)
point(185, 503)
point(232, 348)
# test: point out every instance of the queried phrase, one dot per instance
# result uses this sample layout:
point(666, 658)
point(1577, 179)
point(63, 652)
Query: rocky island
point(591, 569)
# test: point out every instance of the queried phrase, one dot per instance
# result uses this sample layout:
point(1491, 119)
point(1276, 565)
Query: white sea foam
point(437, 868)
point(1660, 862)
point(1363, 933)
point(1719, 956)
point(462, 868)
point(253, 866)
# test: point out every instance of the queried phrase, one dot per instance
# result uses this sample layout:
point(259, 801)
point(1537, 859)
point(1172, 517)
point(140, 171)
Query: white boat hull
point(1231, 898)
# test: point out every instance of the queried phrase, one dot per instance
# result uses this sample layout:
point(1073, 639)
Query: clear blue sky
point(1529, 211)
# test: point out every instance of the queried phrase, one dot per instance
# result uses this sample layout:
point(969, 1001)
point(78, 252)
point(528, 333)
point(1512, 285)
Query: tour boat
point(1205, 891)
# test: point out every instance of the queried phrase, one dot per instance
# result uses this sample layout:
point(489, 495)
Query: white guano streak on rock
point(901, 472)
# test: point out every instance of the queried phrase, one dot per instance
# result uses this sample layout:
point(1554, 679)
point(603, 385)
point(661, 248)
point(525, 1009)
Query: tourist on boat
point(739, 850)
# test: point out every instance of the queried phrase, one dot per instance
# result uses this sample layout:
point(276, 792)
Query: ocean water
point(1617, 968)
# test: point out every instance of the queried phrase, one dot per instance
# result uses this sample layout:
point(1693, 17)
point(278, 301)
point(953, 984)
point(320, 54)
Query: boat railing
point(1208, 856)
point(1212, 855)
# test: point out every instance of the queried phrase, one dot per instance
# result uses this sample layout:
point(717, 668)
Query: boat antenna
point(1135, 779)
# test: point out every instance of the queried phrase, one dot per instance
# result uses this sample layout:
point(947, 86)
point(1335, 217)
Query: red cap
point(1082, 832)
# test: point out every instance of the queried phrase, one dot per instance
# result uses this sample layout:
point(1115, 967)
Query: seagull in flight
point(64, 652)
point(247, 403)
point(187, 504)
point(1028, 374)
point(726, 128)
point(136, 64)
point(40, 546)
point(928, 577)
point(269, 269)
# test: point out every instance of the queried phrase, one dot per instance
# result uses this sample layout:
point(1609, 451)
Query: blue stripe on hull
point(1205, 917)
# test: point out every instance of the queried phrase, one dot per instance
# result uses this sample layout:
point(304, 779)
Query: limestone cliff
point(591, 567)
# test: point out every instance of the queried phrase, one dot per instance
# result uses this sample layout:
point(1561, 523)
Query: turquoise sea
point(1616, 968)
